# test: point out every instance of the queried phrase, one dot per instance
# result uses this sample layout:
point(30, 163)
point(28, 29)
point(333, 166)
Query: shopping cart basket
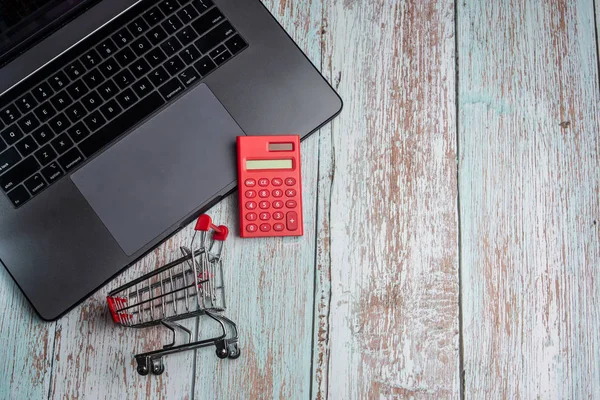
point(189, 287)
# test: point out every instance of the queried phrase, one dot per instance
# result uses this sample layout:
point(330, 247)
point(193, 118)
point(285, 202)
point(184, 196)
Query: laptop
point(118, 121)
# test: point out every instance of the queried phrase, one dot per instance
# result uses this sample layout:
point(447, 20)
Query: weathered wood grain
point(391, 330)
point(271, 281)
point(529, 199)
point(27, 345)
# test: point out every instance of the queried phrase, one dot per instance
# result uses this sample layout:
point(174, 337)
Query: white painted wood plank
point(271, 281)
point(529, 194)
point(388, 178)
point(27, 345)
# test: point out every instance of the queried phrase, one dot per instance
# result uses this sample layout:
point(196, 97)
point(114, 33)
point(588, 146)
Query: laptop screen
point(21, 21)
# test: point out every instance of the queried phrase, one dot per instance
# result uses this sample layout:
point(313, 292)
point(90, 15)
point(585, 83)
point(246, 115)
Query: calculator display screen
point(268, 164)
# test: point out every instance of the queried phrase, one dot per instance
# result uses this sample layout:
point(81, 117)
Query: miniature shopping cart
point(189, 287)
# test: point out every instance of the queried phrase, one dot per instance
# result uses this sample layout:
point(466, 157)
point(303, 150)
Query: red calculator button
point(290, 181)
point(251, 205)
point(251, 228)
point(250, 182)
point(291, 204)
point(278, 227)
point(278, 215)
point(277, 193)
point(263, 182)
point(278, 204)
point(290, 193)
point(277, 182)
point(251, 217)
point(265, 216)
point(250, 194)
point(264, 205)
point(263, 193)
point(265, 227)
point(292, 221)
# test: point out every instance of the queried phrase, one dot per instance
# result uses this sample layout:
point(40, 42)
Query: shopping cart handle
point(205, 224)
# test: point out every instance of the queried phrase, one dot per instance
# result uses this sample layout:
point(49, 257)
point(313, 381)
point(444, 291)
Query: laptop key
point(153, 16)
point(138, 27)
point(26, 146)
point(187, 35)
point(93, 78)
point(107, 48)
point(26, 103)
point(122, 38)
point(208, 21)
point(171, 46)
point(110, 109)
point(3, 145)
point(189, 76)
point(9, 158)
point(121, 124)
point(35, 184)
point(223, 57)
point(91, 101)
point(202, 5)
point(70, 160)
point(59, 123)
point(157, 35)
point(43, 135)
point(235, 44)
point(141, 46)
point(17, 174)
point(90, 59)
point(108, 90)
point(10, 114)
point(142, 87)
point(124, 79)
point(62, 99)
point(94, 121)
point(19, 196)
point(75, 90)
point(171, 89)
point(109, 68)
point(74, 70)
point(187, 14)
point(140, 68)
point(45, 155)
point(125, 57)
point(42, 92)
point(44, 112)
point(172, 24)
point(205, 66)
point(159, 76)
point(218, 51)
point(28, 123)
point(214, 37)
point(78, 132)
point(190, 54)
point(127, 98)
point(168, 6)
point(11, 134)
point(62, 143)
point(76, 112)
point(174, 65)
point(155, 57)
point(52, 172)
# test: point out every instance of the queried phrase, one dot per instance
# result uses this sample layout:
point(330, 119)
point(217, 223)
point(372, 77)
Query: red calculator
point(270, 186)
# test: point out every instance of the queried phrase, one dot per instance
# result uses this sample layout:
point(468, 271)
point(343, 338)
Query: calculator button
point(278, 204)
point(292, 221)
point(264, 205)
point(265, 227)
point(250, 182)
point(278, 227)
point(251, 216)
point(277, 193)
point(290, 193)
point(290, 181)
point(278, 215)
point(263, 193)
point(291, 204)
point(277, 182)
point(250, 194)
point(265, 216)
point(263, 182)
point(251, 205)
point(251, 228)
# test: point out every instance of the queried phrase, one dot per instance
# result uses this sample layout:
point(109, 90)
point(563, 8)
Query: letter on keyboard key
point(9, 158)
point(94, 121)
point(121, 124)
point(19, 173)
point(71, 159)
point(171, 89)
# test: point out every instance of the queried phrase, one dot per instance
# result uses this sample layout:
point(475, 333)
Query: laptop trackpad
point(162, 171)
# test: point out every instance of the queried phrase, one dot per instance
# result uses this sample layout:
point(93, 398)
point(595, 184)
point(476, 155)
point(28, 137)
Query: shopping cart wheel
point(234, 351)
point(221, 349)
point(157, 366)
point(142, 367)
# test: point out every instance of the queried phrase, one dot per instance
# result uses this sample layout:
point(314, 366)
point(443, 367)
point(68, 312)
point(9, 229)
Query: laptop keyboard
point(98, 90)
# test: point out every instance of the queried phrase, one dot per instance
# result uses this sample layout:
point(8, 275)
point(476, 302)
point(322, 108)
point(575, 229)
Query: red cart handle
point(205, 224)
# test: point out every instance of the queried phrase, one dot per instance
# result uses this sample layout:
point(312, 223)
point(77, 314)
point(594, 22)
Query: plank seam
point(461, 344)
point(52, 363)
point(596, 29)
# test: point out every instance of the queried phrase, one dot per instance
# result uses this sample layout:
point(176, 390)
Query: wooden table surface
point(452, 218)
